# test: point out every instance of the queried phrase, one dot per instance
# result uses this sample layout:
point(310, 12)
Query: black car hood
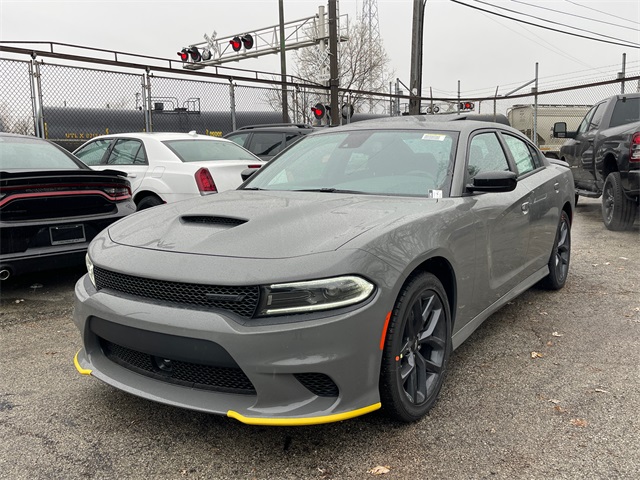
point(260, 224)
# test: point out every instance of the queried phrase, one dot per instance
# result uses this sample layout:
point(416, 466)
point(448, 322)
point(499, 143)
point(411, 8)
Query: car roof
point(162, 136)
point(301, 128)
point(420, 122)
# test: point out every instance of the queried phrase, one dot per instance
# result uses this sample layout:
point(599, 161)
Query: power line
point(579, 16)
point(547, 28)
point(605, 13)
point(551, 21)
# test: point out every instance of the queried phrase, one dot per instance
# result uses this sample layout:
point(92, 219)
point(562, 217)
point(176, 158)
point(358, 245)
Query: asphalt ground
point(573, 411)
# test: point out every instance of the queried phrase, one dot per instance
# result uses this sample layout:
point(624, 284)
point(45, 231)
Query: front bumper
point(282, 362)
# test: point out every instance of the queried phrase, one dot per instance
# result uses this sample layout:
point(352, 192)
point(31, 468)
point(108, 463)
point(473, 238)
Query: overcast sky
point(481, 50)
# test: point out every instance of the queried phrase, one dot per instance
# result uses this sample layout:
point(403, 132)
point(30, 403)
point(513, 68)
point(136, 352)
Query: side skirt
point(464, 333)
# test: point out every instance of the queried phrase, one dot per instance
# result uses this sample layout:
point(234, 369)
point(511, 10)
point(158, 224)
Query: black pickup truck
point(604, 155)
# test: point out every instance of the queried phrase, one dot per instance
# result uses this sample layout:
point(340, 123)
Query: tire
point(618, 212)
point(560, 256)
point(148, 202)
point(417, 349)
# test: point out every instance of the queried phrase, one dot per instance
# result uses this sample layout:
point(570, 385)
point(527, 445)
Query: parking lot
point(549, 387)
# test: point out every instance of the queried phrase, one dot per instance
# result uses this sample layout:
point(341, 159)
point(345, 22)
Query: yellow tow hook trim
point(289, 422)
point(83, 371)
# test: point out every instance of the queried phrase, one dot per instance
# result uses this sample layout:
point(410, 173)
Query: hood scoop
point(213, 220)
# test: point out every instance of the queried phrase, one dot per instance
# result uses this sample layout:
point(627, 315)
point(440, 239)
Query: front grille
point(193, 375)
point(241, 300)
point(318, 383)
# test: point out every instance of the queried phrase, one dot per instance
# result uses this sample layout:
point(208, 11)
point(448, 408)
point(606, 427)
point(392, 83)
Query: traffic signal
point(184, 54)
point(346, 110)
point(194, 53)
point(319, 111)
point(238, 42)
point(247, 41)
point(466, 106)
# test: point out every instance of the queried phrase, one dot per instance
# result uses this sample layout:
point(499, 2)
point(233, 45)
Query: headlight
point(314, 295)
point(89, 263)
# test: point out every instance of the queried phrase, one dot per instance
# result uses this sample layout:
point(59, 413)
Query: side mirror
point(560, 130)
point(247, 172)
point(503, 181)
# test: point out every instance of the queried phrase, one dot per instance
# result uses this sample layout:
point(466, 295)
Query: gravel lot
point(573, 411)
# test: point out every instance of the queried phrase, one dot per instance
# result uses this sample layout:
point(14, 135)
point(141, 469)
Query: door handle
point(525, 208)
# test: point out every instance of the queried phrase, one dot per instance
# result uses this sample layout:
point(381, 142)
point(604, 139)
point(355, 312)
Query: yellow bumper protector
point(83, 371)
point(289, 422)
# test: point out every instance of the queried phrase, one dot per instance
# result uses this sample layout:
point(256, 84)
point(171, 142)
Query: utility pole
point(334, 81)
point(415, 82)
point(283, 66)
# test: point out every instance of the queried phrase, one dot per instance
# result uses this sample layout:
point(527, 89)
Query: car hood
point(260, 224)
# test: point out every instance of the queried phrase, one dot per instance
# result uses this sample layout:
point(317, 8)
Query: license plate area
point(64, 234)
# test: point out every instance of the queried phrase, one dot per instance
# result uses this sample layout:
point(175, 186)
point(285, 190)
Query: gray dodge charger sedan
point(335, 281)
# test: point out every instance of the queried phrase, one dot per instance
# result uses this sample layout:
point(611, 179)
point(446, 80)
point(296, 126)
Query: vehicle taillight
point(634, 151)
point(254, 166)
point(118, 193)
point(205, 182)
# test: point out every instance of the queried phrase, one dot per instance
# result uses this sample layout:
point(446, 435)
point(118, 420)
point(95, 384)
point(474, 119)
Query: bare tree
point(363, 65)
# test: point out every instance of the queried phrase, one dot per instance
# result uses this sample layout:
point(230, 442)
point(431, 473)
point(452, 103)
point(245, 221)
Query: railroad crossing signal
point(466, 106)
point(238, 42)
point(320, 111)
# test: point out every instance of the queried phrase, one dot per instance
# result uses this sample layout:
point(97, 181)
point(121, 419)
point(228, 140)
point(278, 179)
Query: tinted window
point(375, 162)
point(625, 112)
point(240, 138)
point(197, 150)
point(486, 155)
point(92, 153)
point(520, 153)
point(17, 153)
point(291, 138)
point(127, 152)
point(584, 125)
point(267, 143)
point(597, 116)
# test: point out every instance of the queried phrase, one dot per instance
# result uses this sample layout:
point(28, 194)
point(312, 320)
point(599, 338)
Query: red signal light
point(205, 182)
point(466, 105)
point(319, 111)
point(236, 44)
point(184, 54)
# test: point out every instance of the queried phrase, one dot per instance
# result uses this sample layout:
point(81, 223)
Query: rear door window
point(93, 152)
point(127, 151)
point(521, 154)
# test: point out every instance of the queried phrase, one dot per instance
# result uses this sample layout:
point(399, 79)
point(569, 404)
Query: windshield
point(23, 153)
point(207, 150)
point(387, 162)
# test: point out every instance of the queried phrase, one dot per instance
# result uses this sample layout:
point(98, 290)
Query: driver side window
point(485, 155)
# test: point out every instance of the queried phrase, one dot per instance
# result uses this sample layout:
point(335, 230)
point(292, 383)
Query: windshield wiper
point(252, 188)
point(327, 190)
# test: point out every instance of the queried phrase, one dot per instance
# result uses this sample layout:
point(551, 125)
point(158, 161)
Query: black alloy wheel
point(560, 255)
point(618, 211)
point(417, 349)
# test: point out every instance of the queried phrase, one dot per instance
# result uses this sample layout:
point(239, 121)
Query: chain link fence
point(16, 97)
point(71, 104)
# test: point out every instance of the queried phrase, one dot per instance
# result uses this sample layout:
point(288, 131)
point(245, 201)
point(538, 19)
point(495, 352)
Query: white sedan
point(168, 167)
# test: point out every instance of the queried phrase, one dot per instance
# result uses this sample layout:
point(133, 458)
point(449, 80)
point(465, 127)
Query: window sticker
point(435, 193)
point(434, 137)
